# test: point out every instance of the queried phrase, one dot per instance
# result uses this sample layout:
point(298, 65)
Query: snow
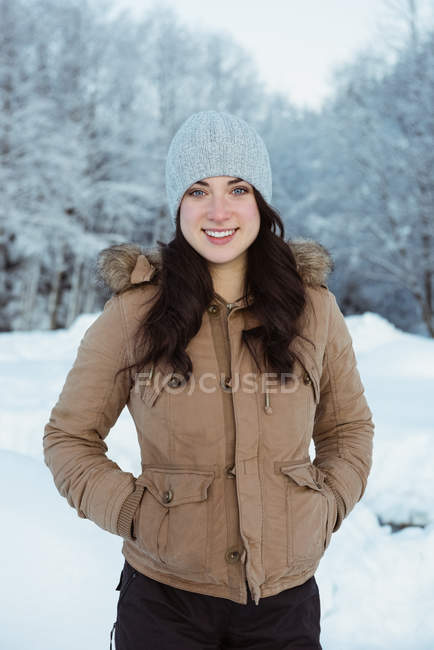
point(60, 571)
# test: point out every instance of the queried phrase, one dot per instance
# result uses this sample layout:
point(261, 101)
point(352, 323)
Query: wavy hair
point(182, 297)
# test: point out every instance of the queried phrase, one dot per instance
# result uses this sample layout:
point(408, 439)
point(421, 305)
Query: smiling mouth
point(220, 234)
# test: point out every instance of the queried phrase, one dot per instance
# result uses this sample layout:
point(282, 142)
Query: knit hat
point(209, 144)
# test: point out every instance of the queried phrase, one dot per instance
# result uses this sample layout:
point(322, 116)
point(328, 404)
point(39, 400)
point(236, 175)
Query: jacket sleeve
point(90, 403)
point(343, 429)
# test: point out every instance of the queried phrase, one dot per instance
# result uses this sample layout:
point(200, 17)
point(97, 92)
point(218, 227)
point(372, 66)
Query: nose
point(218, 209)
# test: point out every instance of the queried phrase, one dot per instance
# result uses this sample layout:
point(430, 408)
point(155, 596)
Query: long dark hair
point(185, 290)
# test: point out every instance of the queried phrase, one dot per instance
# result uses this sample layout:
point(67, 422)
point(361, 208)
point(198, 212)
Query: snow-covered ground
point(59, 572)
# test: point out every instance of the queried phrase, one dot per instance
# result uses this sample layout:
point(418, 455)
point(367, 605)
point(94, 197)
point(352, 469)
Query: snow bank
point(60, 571)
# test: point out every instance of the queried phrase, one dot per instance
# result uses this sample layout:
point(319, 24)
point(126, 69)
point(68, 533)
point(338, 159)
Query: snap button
point(213, 309)
point(233, 556)
point(227, 383)
point(174, 382)
point(306, 378)
point(167, 496)
point(228, 471)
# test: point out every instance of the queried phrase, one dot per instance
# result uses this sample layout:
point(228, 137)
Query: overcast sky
point(294, 42)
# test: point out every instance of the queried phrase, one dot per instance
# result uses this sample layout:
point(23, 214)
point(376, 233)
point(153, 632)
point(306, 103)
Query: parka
point(229, 498)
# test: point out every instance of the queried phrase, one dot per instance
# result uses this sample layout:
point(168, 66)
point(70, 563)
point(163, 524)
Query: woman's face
point(219, 218)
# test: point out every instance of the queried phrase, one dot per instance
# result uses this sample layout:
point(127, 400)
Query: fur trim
point(124, 266)
point(314, 262)
point(117, 266)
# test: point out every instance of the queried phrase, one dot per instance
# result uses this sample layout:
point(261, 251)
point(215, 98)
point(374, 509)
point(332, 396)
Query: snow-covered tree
point(90, 99)
point(89, 105)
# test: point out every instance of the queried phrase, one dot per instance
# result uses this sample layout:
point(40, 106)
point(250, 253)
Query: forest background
point(89, 103)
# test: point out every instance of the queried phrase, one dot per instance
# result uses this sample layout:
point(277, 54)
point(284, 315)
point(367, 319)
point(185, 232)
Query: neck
point(228, 279)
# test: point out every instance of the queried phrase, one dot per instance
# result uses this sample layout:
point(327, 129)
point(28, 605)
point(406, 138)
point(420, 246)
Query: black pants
point(154, 616)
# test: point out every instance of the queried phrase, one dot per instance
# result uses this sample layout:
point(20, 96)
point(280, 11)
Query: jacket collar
point(124, 266)
point(243, 301)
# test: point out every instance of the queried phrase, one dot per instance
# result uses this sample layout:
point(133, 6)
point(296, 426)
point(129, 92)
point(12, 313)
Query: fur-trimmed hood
point(124, 266)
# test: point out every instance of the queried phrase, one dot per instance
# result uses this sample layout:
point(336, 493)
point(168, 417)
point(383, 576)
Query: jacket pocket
point(308, 513)
point(171, 522)
point(310, 374)
point(332, 513)
point(306, 398)
point(148, 384)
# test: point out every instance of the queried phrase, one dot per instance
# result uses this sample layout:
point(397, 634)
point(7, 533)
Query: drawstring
point(267, 408)
point(148, 380)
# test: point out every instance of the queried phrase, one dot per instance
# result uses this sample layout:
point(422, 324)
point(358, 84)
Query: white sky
point(295, 42)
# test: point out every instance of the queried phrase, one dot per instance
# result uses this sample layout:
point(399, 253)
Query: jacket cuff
point(126, 513)
point(340, 506)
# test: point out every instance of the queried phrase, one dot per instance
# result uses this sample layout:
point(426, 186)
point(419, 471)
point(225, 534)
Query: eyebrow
point(236, 180)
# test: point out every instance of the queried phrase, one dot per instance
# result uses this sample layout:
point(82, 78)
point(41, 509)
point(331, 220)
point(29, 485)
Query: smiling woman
point(220, 222)
point(232, 356)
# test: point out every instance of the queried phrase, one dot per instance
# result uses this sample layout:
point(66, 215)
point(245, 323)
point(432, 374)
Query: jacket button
point(233, 556)
point(228, 471)
point(213, 309)
point(227, 384)
point(306, 378)
point(167, 496)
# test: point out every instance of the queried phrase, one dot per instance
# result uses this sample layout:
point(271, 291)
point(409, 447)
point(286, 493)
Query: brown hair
point(182, 297)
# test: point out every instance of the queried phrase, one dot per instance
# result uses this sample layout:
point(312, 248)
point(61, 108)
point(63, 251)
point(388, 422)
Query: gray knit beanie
point(215, 144)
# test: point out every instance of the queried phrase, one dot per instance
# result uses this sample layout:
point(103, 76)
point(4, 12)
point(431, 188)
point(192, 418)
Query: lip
point(219, 241)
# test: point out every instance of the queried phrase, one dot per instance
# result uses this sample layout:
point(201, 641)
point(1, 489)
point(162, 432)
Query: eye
point(193, 192)
point(244, 190)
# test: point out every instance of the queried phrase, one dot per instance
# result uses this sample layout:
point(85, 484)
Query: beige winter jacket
point(228, 498)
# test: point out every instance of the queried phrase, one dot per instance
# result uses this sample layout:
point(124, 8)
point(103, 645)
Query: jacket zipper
point(229, 307)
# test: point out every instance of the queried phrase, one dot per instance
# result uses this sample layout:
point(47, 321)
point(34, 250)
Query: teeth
point(224, 233)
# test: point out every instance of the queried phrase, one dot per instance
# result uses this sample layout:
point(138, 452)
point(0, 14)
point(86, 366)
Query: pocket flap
point(304, 475)
point(309, 365)
point(150, 382)
point(172, 487)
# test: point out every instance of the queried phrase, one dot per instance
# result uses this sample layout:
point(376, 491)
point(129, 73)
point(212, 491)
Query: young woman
point(231, 355)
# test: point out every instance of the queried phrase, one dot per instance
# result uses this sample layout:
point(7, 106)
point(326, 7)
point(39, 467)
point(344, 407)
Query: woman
point(231, 355)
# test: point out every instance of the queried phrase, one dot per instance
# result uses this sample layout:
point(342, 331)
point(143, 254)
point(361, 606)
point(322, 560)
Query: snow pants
point(153, 615)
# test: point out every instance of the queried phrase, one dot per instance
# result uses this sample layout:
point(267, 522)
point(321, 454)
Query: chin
point(222, 258)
